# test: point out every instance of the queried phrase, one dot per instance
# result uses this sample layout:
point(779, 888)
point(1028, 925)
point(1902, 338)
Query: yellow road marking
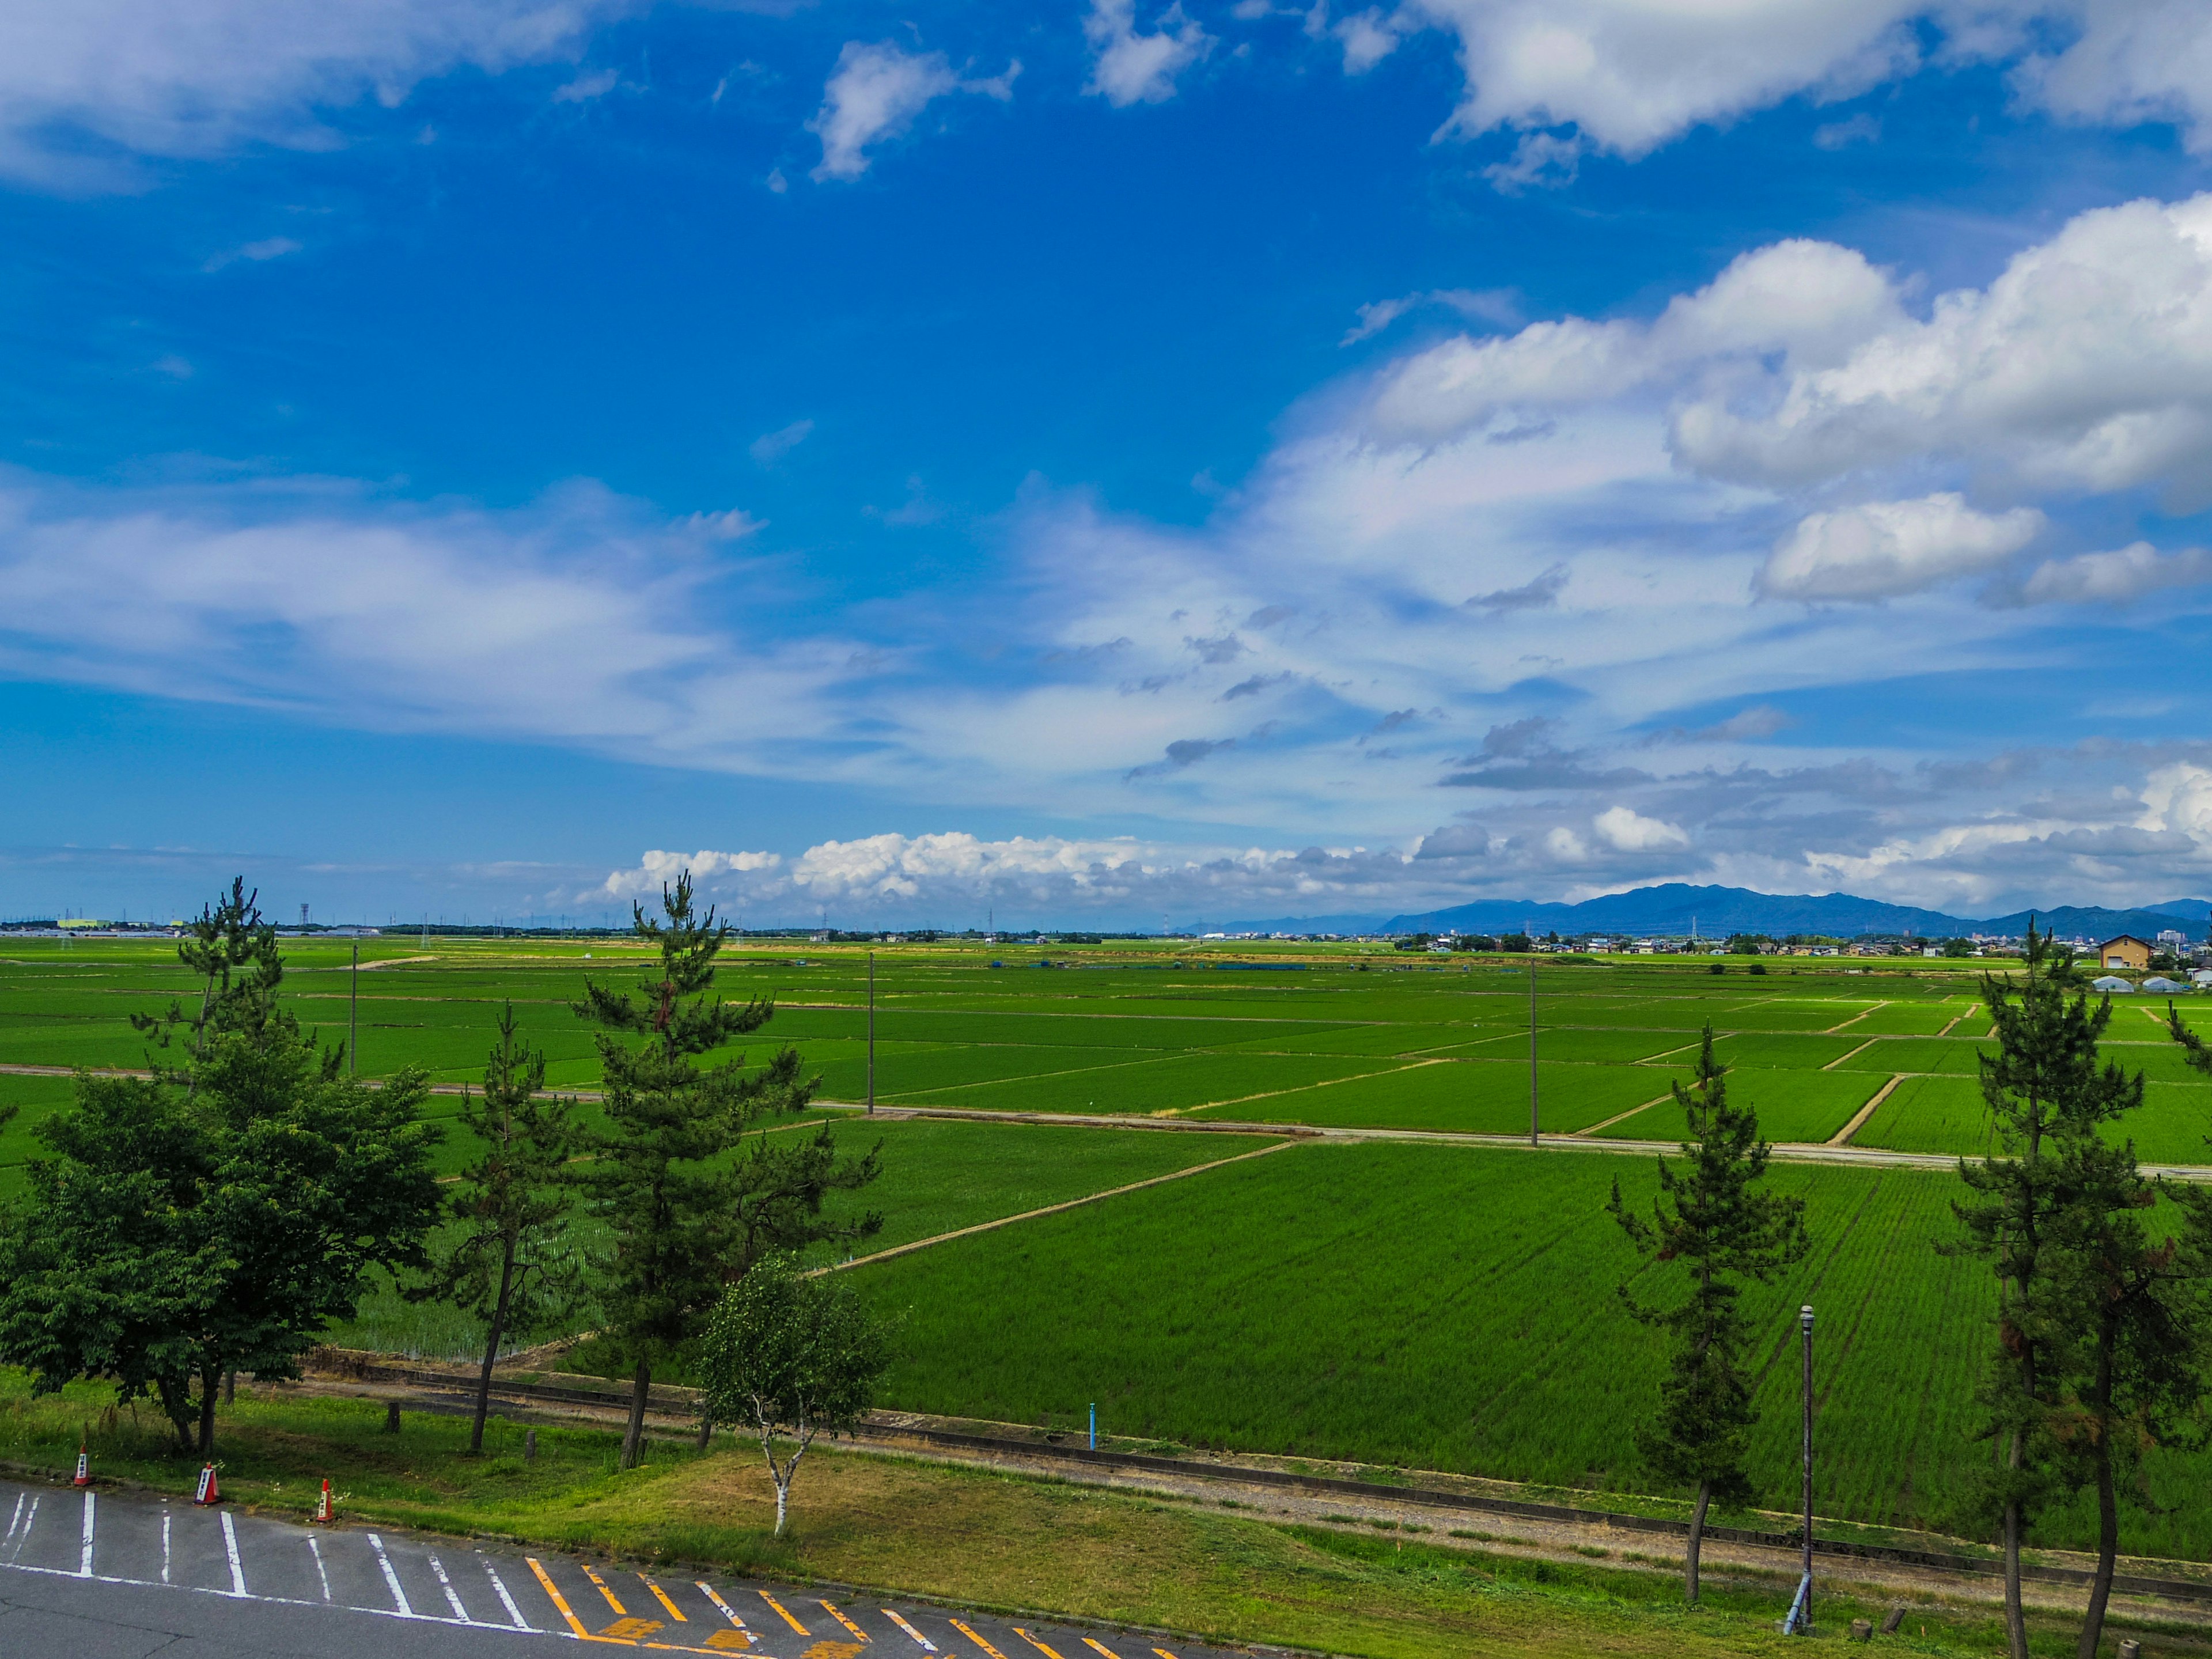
point(661, 1597)
point(1164, 1653)
point(730, 1641)
point(977, 1640)
point(928, 1646)
point(621, 1611)
point(786, 1612)
point(1101, 1647)
point(1033, 1642)
point(858, 1633)
point(630, 1628)
point(729, 1612)
point(559, 1599)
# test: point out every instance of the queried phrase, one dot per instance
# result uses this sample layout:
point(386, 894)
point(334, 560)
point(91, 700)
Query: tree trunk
point(2108, 1508)
point(634, 1436)
point(782, 1493)
point(2015, 1617)
point(706, 1432)
point(208, 1379)
point(230, 1387)
point(1697, 1543)
point(491, 1351)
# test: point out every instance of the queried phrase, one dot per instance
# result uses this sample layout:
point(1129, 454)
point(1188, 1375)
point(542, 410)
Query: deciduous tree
point(792, 1354)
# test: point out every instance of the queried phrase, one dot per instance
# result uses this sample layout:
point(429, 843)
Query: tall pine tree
point(685, 1216)
point(1711, 1221)
point(510, 1261)
point(2041, 1082)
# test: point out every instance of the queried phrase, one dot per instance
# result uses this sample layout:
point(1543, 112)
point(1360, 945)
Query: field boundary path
point(913, 1245)
point(1842, 1136)
point(1307, 1493)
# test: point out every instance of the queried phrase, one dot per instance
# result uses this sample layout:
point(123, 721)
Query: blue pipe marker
point(1094, 1425)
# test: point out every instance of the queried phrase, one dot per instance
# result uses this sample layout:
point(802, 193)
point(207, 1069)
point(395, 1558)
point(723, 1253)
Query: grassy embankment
point(976, 1537)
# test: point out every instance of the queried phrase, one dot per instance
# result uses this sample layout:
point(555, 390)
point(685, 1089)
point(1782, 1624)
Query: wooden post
point(1531, 939)
point(872, 1033)
point(1805, 1325)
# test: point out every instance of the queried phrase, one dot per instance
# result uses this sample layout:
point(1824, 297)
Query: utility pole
point(1800, 1620)
point(352, 1019)
point(872, 1033)
point(1530, 937)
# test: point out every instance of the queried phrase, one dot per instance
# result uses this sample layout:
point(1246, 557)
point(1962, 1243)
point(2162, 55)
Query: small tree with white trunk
point(790, 1354)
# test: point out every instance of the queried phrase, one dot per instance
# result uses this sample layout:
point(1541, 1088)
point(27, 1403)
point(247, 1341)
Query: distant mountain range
point(1717, 912)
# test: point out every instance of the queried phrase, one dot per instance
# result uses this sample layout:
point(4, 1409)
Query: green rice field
point(1409, 1303)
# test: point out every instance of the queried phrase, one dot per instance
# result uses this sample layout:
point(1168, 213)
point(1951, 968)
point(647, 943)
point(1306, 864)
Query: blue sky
point(1102, 461)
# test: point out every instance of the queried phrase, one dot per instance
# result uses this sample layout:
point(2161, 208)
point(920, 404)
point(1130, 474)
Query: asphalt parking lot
point(104, 1574)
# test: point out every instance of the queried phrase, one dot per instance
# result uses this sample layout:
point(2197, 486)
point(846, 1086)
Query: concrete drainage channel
point(443, 1391)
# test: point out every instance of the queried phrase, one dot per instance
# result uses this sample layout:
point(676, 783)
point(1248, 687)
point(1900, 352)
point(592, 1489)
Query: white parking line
point(230, 1548)
point(447, 1585)
point(24, 1536)
point(165, 1546)
point(315, 1549)
point(15, 1520)
point(728, 1611)
point(506, 1601)
point(398, 1596)
point(927, 1646)
point(84, 1554)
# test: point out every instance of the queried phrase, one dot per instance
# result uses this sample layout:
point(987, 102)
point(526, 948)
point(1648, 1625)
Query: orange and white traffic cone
point(209, 1492)
point(325, 1512)
point(83, 1467)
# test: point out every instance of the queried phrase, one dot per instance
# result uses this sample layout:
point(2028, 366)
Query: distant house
point(2202, 978)
point(2126, 951)
point(2111, 983)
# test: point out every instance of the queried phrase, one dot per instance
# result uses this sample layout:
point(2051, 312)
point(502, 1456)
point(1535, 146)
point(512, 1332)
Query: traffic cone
point(209, 1492)
point(83, 1467)
point(325, 1512)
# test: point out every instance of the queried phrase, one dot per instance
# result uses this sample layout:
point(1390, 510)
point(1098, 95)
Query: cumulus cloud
point(1881, 549)
point(1130, 66)
point(82, 80)
point(2120, 577)
point(1629, 830)
point(2087, 363)
point(876, 91)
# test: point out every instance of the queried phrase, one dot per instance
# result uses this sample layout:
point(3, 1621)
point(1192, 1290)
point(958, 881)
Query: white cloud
point(1630, 831)
point(772, 447)
point(876, 91)
point(2087, 363)
point(269, 247)
point(1629, 74)
point(1368, 37)
point(585, 88)
point(2130, 60)
point(2179, 798)
point(582, 620)
point(657, 870)
point(1882, 549)
point(1500, 306)
point(2116, 578)
point(80, 79)
point(1131, 67)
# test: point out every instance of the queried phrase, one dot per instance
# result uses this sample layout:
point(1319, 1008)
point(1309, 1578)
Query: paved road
point(105, 1575)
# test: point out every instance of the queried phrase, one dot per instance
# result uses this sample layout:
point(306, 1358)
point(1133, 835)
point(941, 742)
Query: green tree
point(2042, 1081)
point(2134, 1318)
point(233, 951)
point(215, 1217)
point(1709, 1219)
point(686, 1217)
point(510, 1264)
point(792, 1354)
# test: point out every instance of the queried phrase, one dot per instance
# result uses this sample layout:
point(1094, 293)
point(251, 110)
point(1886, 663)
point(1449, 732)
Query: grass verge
point(979, 1537)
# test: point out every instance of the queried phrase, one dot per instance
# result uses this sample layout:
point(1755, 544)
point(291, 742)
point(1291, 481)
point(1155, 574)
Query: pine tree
point(2042, 1079)
point(233, 951)
point(1709, 1218)
point(674, 1199)
point(511, 1264)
